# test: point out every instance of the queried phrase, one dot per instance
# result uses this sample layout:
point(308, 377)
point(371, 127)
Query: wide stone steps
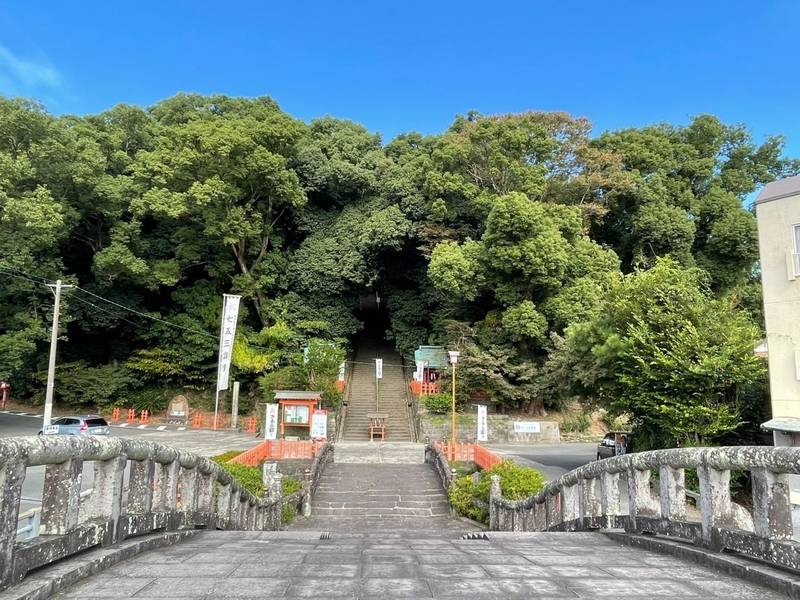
point(401, 494)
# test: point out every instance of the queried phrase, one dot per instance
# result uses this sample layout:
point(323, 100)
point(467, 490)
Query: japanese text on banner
point(230, 314)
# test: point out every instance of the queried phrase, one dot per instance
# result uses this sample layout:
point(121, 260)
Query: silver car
point(86, 425)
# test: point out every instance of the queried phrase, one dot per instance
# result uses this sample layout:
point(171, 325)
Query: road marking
point(142, 427)
point(181, 428)
point(161, 427)
point(124, 425)
point(39, 416)
point(22, 414)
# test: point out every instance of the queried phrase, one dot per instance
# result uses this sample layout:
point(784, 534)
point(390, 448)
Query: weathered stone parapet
point(168, 489)
point(589, 498)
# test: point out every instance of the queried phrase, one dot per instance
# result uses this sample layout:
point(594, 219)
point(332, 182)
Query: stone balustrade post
point(570, 504)
point(672, 493)
point(540, 516)
point(205, 492)
point(224, 505)
point(141, 482)
point(61, 497)
point(167, 486)
point(12, 475)
point(609, 498)
point(105, 501)
point(495, 493)
point(554, 515)
point(772, 507)
point(640, 498)
point(186, 499)
point(591, 504)
point(715, 501)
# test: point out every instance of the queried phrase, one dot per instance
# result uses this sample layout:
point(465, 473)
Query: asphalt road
point(552, 459)
point(203, 442)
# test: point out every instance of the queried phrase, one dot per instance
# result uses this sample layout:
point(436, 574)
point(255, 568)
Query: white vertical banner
point(319, 425)
point(378, 368)
point(227, 331)
point(271, 422)
point(483, 424)
point(418, 374)
point(341, 372)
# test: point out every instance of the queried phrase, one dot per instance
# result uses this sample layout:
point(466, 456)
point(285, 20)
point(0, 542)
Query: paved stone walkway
point(393, 566)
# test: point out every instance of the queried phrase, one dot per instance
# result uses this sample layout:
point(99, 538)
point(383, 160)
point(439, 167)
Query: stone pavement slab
point(397, 565)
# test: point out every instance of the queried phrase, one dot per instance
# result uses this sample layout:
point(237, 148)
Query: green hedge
point(438, 404)
point(516, 483)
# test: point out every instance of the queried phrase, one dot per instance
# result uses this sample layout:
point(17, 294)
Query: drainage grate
point(325, 535)
point(479, 535)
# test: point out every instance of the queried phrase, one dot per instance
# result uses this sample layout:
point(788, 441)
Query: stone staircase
point(375, 487)
point(361, 401)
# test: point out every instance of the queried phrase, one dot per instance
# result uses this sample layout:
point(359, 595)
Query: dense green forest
point(620, 270)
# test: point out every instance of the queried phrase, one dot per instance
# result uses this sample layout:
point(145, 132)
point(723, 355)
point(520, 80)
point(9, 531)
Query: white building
point(778, 213)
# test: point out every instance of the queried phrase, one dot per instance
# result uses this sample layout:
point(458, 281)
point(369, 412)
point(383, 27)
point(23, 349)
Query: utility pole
point(51, 367)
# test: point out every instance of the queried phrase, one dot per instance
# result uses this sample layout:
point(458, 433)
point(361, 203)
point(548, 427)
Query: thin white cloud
point(22, 75)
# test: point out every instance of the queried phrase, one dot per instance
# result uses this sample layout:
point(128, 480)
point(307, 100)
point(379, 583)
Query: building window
point(794, 263)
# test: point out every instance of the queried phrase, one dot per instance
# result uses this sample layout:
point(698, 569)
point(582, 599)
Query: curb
point(59, 576)
point(731, 564)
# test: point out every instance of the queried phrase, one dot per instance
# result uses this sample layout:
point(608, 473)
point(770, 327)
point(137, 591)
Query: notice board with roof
point(296, 409)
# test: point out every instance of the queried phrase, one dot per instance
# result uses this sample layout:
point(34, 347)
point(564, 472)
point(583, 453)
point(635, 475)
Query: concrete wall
point(501, 429)
point(781, 300)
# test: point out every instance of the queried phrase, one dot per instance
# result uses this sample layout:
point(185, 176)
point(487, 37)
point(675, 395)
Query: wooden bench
point(377, 425)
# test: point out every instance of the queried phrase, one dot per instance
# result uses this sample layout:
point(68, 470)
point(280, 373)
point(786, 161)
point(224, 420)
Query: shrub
point(290, 485)
point(249, 477)
point(576, 423)
point(461, 495)
point(226, 456)
point(438, 404)
point(516, 483)
point(288, 513)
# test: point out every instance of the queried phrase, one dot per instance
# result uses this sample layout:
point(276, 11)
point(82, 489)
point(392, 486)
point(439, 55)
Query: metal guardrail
point(168, 489)
point(588, 498)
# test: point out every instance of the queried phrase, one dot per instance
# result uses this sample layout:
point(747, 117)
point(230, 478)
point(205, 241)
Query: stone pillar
point(61, 497)
point(205, 492)
point(554, 515)
point(495, 494)
point(224, 505)
point(772, 508)
point(571, 504)
point(140, 487)
point(187, 490)
point(592, 498)
point(12, 475)
point(715, 502)
point(540, 517)
point(640, 498)
point(167, 486)
point(672, 493)
point(105, 501)
point(609, 498)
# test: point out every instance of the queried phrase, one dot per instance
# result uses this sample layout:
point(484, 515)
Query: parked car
point(85, 425)
point(614, 443)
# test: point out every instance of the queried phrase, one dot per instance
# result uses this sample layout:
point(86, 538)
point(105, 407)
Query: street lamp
point(453, 360)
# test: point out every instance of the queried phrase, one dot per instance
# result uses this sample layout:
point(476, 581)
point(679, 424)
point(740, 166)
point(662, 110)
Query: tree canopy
point(520, 239)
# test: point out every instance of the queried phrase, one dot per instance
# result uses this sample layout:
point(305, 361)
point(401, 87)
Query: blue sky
point(399, 66)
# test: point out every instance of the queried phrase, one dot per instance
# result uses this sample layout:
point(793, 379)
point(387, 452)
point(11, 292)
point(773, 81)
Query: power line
point(108, 312)
point(147, 316)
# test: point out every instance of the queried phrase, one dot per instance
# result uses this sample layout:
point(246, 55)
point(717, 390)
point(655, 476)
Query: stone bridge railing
point(589, 498)
point(139, 487)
